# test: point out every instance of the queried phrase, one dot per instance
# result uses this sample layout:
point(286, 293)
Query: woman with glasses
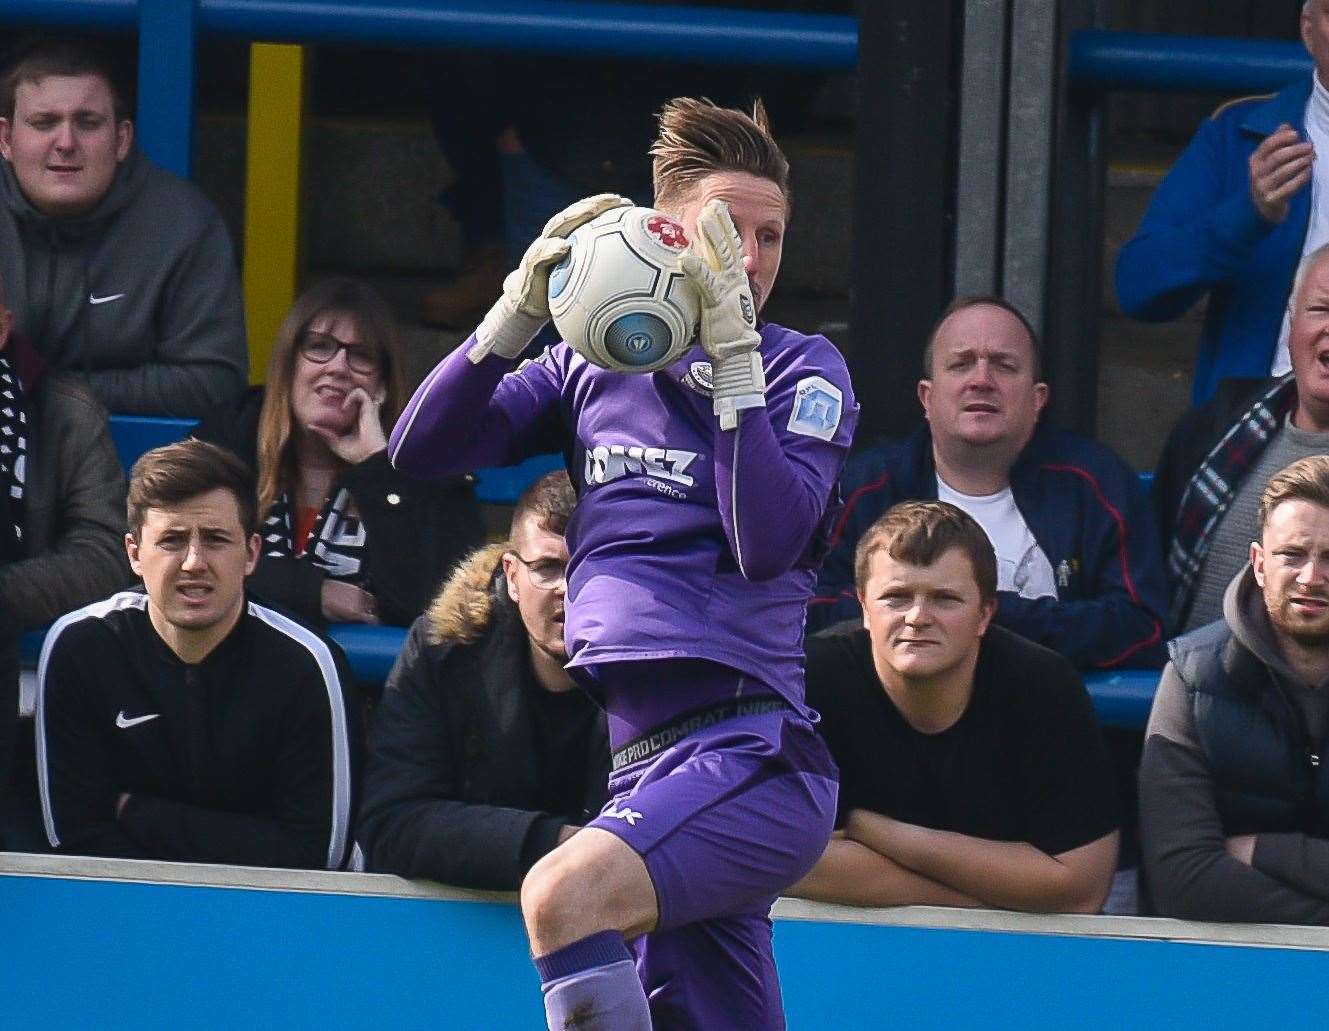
point(346, 538)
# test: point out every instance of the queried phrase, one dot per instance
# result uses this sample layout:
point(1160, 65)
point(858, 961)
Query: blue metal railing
point(553, 26)
point(1161, 63)
point(167, 30)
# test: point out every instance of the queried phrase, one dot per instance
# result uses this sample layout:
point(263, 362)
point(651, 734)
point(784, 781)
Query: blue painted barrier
point(136, 944)
point(1163, 63)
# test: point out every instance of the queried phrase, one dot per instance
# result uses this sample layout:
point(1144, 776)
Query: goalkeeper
point(687, 590)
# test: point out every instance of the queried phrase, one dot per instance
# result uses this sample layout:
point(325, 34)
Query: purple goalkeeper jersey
point(687, 541)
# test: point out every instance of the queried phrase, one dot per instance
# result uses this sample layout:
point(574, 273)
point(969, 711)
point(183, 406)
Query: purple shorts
point(725, 819)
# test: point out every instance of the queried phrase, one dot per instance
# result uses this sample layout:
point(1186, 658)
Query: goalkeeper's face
point(759, 210)
point(535, 569)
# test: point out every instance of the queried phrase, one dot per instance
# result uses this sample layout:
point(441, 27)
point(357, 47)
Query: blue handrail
point(1162, 63)
point(590, 29)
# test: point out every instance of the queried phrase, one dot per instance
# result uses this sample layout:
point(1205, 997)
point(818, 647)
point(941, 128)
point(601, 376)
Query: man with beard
point(1234, 798)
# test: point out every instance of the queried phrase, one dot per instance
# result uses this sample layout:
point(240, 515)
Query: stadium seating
point(1122, 698)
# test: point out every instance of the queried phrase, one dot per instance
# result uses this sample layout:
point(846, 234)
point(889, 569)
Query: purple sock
point(592, 985)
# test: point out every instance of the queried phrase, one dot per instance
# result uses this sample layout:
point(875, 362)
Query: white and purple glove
point(728, 330)
point(523, 307)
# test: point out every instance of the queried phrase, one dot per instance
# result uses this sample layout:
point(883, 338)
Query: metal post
point(903, 195)
point(982, 134)
point(1075, 286)
point(274, 159)
point(1029, 155)
point(165, 127)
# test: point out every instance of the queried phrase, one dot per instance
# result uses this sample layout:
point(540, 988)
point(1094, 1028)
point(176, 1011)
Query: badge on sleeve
point(817, 407)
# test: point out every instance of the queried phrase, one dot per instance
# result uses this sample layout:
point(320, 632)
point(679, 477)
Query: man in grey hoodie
point(1234, 793)
point(116, 269)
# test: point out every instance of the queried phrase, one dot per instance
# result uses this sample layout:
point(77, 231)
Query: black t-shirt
point(564, 722)
point(1025, 762)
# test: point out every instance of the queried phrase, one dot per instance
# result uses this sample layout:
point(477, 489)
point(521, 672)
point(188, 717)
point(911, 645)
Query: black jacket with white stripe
point(249, 757)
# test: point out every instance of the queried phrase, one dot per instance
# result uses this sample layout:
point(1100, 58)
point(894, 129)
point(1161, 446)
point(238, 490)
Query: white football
point(620, 297)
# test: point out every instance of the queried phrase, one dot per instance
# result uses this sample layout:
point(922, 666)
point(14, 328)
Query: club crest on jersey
point(607, 463)
point(817, 407)
point(699, 378)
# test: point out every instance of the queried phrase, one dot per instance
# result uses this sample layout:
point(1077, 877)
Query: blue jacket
point(1086, 509)
point(1202, 234)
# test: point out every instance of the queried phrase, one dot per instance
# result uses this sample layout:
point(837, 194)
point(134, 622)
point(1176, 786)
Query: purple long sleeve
point(465, 416)
point(770, 502)
point(687, 541)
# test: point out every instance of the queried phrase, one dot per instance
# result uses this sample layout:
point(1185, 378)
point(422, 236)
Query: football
point(620, 297)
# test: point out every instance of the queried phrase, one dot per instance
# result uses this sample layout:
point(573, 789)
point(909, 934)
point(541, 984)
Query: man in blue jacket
point(1233, 218)
point(1079, 569)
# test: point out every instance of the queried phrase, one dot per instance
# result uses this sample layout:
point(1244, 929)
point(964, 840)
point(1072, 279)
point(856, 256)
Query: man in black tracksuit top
point(189, 722)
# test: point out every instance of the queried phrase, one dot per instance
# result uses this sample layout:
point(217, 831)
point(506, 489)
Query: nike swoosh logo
point(94, 299)
point(124, 722)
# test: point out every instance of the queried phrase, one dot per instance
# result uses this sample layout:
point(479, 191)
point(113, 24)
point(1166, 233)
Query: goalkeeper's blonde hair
point(699, 138)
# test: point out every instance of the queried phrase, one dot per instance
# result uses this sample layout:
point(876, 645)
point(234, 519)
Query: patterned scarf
point(1211, 489)
point(13, 462)
point(336, 543)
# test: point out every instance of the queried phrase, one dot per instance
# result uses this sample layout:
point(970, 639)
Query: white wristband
point(737, 383)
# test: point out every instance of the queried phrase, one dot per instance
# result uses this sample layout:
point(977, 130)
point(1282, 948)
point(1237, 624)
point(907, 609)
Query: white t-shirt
point(1317, 230)
point(1022, 566)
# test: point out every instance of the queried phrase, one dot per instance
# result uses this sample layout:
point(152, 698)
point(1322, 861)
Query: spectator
point(116, 269)
point(485, 753)
point(1078, 568)
point(62, 495)
point(187, 722)
point(971, 768)
point(1234, 804)
point(1219, 457)
point(1231, 220)
point(337, 516)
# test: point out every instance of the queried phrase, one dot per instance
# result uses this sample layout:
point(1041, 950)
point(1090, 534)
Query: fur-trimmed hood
point(463, 609)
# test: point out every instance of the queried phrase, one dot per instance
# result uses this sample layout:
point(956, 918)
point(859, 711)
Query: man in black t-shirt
point(972, 772)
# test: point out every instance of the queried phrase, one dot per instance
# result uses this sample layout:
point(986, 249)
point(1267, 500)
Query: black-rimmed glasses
point(321, 348)
point(545, 573)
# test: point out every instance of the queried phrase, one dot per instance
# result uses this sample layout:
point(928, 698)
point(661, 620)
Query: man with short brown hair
point(972, 772)
point(1078, 568)
point(117, 270)
point(187, 722)
point(1234, 794)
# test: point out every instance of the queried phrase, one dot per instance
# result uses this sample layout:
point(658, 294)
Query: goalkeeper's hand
point(523, 306)
point(728, 331)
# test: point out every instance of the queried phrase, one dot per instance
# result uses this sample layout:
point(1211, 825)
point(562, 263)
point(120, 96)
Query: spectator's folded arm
point(1005, 874)
point(851, 874)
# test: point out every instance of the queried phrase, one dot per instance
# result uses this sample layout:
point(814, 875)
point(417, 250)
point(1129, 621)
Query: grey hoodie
point(1190, 873)
point(141, 296)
